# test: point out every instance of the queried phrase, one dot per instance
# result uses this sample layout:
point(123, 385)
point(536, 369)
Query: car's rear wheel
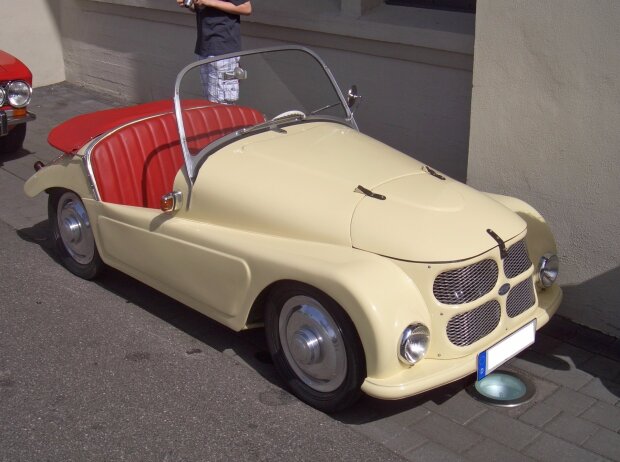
point(315, 347)
point(14, 140)
point(72, 234)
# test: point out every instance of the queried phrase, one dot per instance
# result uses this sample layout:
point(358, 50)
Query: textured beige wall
point(32, 34)
point(545, 126)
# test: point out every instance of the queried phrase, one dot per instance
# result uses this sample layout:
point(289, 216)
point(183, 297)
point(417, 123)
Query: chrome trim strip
point(90, 175)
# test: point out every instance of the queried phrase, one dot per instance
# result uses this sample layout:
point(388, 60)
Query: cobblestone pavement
point(574, 415)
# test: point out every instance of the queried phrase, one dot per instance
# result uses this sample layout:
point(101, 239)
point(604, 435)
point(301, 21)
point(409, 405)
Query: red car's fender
point(12, 68)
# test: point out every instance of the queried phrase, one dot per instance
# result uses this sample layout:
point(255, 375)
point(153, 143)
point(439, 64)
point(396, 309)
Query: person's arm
point(180, 3)
point(227, 7)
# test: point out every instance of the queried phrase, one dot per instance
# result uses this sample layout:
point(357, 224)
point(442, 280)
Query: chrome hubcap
point(312, 343)
point(74, 227)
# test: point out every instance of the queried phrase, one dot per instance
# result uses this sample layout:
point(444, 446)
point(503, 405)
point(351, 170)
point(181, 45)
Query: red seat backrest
point(137, 163)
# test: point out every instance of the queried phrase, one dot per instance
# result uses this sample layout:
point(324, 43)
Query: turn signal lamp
point(171, 202)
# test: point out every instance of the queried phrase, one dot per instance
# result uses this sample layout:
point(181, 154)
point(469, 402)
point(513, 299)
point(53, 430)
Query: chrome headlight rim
point(413, 344)
point(548, 269)
point(2, 96)
point(19, 93)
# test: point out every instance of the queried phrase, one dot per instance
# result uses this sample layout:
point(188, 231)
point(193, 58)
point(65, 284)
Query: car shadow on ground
point(9, 156)
point(249, 346)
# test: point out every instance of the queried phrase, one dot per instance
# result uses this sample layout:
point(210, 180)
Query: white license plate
point(505, 349)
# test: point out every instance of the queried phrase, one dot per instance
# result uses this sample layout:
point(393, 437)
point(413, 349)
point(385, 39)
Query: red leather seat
point(137, 163)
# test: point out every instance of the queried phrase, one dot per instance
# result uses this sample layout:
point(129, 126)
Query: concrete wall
point(412, 66)
point(545, 126)
point(30, 31)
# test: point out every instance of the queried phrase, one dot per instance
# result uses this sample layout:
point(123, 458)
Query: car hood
point(303, 184)
point(12, 68)
point(427, 218)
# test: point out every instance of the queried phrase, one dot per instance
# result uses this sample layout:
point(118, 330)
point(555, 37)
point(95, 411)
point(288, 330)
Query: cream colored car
point(370, 271)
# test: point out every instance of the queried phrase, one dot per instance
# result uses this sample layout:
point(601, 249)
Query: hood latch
point(503, 252)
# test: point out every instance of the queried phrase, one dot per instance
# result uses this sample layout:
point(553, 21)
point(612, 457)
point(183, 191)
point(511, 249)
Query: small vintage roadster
point(369, 270)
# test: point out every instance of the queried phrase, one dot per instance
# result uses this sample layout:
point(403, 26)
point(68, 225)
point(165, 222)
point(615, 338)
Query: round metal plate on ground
point(503, 388)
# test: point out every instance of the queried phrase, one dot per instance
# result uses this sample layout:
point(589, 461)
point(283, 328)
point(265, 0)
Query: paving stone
point(431, 452)
point(576, 354)
point(380, 430)
point(606, 391)
point(606, 443)
point(548, 448)
point(504, 430)
point(492, 451)
point(572, 378)
point(572, 429)
point(604, 415)
point(461, 408)
point(406, 441)
point(537, 364)
point(545, 344)
point(603, 368)
point(539, 415)
point(409, 417)
point(447, 433)
point(596, 342)
point(561, 328)
point(573, 402)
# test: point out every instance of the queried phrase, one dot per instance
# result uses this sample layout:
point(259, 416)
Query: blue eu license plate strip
point(505, 349)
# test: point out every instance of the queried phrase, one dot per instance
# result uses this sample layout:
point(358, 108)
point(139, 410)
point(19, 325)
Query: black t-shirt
point(218, 32)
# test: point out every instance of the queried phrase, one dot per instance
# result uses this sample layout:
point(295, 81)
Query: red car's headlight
point(18, 93)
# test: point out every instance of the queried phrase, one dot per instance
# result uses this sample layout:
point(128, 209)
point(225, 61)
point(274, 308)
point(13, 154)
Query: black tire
point(14, 140)
point(299, 350)
point(72, 235)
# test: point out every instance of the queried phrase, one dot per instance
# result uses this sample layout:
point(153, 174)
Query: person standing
point(218, 26)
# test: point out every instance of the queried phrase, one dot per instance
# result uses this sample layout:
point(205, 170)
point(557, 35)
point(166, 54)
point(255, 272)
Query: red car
point(15, 93)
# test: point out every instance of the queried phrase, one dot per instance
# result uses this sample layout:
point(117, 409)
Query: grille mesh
point(467, 328)
point(466, 284)
point(517, 260)
point(520, 298)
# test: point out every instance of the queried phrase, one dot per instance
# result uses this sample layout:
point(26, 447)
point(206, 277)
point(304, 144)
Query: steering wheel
point(288, 114)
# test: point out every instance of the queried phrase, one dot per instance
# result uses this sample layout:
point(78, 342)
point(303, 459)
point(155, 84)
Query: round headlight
point(2, 96)
point(413, 344)
point(19, 93)
point(548, 269)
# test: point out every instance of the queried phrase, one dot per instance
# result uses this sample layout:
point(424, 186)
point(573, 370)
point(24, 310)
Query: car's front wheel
point(315, 347)
point(72, 234)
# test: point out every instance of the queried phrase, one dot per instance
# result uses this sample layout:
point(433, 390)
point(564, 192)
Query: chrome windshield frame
point(193, 162)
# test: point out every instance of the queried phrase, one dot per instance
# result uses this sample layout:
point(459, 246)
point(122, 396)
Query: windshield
point(218, 100)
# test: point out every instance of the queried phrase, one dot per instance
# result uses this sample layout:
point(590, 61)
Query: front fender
point(380, 299)
point(539, 239)
point(66, 172)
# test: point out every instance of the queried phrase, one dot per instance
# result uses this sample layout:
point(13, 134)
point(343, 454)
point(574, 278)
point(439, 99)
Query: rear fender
point(66, 172)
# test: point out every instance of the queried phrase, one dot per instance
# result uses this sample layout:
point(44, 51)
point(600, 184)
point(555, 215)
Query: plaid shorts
point(214, 86)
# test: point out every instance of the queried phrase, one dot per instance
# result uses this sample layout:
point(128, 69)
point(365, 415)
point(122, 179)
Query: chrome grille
point(517, 260)
point(466, 284)
point(520, 298)
point(467, 328)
